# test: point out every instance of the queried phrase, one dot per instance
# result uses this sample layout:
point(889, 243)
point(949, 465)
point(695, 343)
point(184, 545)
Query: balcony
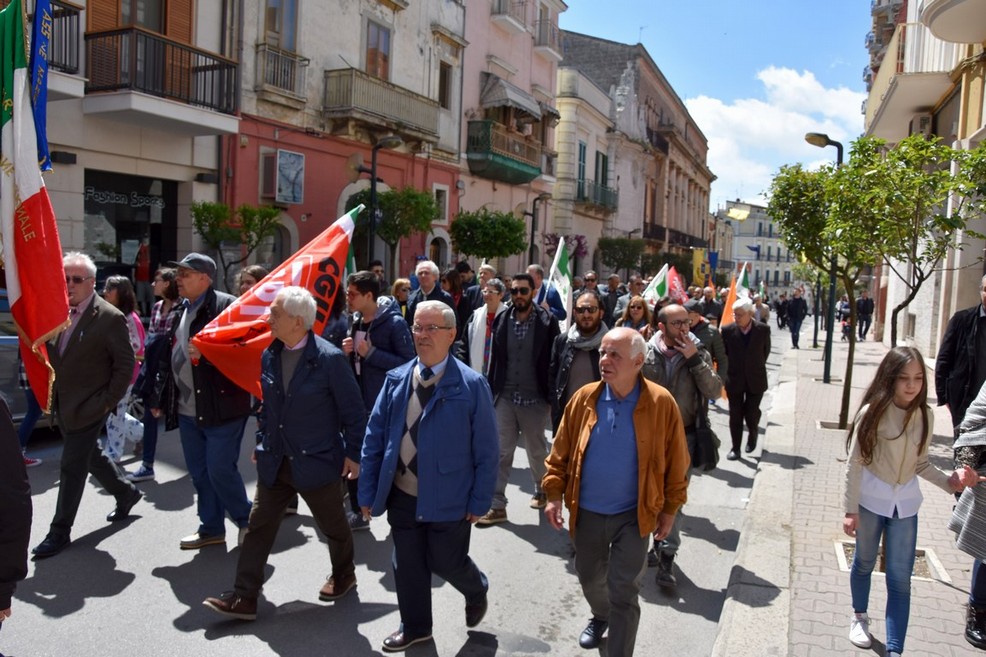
point(655, 232)
point(914, 75)
point(678, 238)
point(281, 76)
point(494, 153)
point(591, 194)
point(354, 96)
point(958, 21)
point(547, 40)
point(64, 81)
point(141, 77)
point(511, 15)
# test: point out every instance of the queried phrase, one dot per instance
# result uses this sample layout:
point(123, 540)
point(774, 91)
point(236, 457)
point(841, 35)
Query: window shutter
point(178, 22)
point(102, 15)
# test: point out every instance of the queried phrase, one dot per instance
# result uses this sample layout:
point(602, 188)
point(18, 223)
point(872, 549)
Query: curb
point(758, 595)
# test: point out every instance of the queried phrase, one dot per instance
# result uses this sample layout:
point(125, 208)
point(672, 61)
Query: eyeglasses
point(679, 323)
point(514, 291)
point(590, 280)
point(78, 280)
point(403, 289)
point(430, 330)
point(581, 310)
point(490, 292)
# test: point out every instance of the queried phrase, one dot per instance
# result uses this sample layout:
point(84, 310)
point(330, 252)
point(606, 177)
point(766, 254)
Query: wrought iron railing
point(515, 9)
point(348, 90)
point(490, 136)
point(547, 35)
point(281, 69)
point(139, 60)
point(587, 191)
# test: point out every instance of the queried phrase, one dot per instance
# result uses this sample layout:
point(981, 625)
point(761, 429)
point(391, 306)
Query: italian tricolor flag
point(32, 252)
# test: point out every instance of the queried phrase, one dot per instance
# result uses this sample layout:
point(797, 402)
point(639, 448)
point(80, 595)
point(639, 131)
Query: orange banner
point(235, 340)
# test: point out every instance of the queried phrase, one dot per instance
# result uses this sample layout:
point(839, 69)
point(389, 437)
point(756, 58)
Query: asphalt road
point(126, 589)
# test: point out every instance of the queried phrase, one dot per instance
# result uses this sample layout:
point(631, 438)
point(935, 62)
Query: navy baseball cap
point(198, 262)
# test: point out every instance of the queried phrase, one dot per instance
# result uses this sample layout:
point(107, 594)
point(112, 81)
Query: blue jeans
point(977, 592)
point(795, 324)
point(900, 540)
point(31, 417)
point(150, 436)
point(211, 455)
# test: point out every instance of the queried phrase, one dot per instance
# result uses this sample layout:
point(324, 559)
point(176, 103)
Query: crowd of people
point(355, 421)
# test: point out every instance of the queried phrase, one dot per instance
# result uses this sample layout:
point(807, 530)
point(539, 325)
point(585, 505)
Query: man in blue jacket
point(312, 426)
point(430, 461)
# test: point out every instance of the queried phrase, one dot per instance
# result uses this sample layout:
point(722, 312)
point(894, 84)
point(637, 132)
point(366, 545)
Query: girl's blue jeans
point(900, 538)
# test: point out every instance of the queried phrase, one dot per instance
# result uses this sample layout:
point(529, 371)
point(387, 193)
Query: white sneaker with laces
point(859, 631)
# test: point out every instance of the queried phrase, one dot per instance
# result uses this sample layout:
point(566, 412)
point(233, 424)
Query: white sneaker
point(859, 631)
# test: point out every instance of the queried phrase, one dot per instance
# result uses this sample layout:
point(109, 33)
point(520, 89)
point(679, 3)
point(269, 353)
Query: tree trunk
point(847, 382)
point(893, 326)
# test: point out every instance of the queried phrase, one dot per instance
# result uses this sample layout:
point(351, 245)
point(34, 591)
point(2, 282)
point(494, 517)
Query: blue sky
point(755, 75)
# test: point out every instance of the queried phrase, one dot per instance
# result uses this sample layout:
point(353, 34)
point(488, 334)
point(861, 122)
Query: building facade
point(756, 240)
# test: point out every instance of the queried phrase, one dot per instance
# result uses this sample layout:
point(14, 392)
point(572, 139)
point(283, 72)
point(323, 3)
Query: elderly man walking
point(93, 363)
point(311, 428)
point(620, 463)
point(748, 346)
point(427, 274)
point(429, 460)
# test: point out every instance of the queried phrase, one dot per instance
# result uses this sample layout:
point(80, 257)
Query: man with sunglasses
point(93, 363)
point(520, 357)
point(575, 354)
point(677, 361)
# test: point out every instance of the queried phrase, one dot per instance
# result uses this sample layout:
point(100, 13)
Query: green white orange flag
point(32, 251)
point(657, 288)
point(235, 340)
point(727, 308)
point(743, 281)
point(560, 277)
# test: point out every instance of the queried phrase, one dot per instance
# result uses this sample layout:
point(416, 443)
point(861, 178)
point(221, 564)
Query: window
point(787, 278)
point(770, 230)
point(377, 50)
point(768, 253)
point(441, 200)
point(145, 13)
point(777, 277)
point(580, 182)
point(445, 85)
point(760, 229)
point(602, 169)
point(281, 24)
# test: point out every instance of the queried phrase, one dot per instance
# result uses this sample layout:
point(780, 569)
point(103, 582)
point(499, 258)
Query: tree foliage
point(621, 252)
point(488, 234)
point(246, 228)
point(403, 212)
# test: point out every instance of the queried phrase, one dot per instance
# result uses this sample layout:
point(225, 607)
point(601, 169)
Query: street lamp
point(822, 141)
point(389, 142)
point(533, 214)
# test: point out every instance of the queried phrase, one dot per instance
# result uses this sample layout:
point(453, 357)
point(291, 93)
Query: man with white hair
point(713, 308)
point(427, 274)
point(625, 440)
point(747, 347)
point(311, 428)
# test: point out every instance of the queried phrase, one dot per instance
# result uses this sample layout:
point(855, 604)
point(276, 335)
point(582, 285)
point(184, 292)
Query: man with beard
point(575, 355)
point(676, 360)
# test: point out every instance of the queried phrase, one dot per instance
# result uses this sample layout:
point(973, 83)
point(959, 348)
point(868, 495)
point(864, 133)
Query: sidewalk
point(787, 592)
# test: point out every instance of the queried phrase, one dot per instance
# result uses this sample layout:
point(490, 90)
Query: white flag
point(560, 277)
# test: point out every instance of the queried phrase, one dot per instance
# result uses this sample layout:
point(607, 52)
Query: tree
point(488, 234)
point(403, 213)
point(621, 252)
point(246, 228)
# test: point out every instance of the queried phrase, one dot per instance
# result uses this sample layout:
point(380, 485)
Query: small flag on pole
point(560, 277)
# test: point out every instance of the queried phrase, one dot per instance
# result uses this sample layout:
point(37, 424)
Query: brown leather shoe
point(399, 641)
point(234, 606)
point(333, 590)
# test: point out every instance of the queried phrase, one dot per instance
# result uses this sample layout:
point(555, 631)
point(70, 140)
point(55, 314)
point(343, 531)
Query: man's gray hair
point(79, 259)
point(448, 315)
point(496, 284)
point(536, 268)
point(431, 266)
point(299, 302)
point(488, 267)
point(638, 346)
point(744, 304)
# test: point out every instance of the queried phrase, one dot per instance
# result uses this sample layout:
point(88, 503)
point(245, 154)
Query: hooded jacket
point(391, 345)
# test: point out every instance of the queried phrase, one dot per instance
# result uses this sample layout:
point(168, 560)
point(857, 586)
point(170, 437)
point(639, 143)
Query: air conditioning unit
point(921, 124)
point(268, 174)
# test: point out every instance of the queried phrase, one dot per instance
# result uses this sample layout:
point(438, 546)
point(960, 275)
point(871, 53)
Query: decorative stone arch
point(439, 245)
point(380, 248)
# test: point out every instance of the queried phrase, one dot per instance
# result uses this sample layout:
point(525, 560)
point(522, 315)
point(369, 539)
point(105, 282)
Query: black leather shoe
point(733, 455)
point(751, 445)
point(592, 635)
point(122, 510)
point(399, 641)
point(475, 613)
point(52, 545)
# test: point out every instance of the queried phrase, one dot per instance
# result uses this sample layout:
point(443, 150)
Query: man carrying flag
point(560, 278)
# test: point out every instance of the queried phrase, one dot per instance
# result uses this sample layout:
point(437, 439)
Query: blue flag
point(37, 67)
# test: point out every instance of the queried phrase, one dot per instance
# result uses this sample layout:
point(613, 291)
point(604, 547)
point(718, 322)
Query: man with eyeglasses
point(93, 363)
point(677, 361)
point(575, 354)
point(427, 274)
point(429, 460)
point(520, 357)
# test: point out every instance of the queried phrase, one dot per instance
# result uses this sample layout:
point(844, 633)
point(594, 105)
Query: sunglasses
point(586, 309)
point(514, 291)
point(590, 280)
point(78, 280)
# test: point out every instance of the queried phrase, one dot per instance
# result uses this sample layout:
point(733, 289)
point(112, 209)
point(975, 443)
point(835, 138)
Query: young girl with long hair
point(888, 449)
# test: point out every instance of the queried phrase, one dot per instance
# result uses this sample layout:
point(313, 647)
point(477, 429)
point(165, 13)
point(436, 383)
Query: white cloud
point(751, 138)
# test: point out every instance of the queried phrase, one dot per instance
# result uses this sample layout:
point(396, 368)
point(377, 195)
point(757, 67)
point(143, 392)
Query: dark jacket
point(217, 399)
point(711, 340)
point(545, 331)
point(416, 297)
point(864, 307)
point(609, 300)
point(93, 374)
point(955, 364)
point(315, 423)
point(747, 361)
point(797, 309)
point(562, 355)
point(391, 345)
point(15, 509)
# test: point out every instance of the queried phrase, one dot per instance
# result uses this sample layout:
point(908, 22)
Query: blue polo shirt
point(609, 467)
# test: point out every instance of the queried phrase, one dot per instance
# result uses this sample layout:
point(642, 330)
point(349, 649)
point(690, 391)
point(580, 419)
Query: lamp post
point(822, 141)
point(533, 214)
point(390, 141)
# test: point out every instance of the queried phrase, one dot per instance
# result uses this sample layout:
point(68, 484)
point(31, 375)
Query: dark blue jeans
point(150, 436)
point(31, 417)
point(795, 324)
point(977, 592)
point(211, 455)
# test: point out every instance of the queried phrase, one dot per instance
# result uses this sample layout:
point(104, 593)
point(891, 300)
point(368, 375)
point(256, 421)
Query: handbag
point(704, 448)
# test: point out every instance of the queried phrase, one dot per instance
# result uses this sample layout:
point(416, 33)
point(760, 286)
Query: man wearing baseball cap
point(209, 410)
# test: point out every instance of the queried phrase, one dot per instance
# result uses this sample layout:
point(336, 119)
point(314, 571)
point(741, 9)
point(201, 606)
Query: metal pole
point(830, 324)
point(534, 227)
point(817, 295)
point(373, 205)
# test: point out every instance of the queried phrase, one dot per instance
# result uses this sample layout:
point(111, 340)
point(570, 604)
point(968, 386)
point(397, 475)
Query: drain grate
point(926, 563)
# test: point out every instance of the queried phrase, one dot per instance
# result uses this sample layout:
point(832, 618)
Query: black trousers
point(326, 505)
point(744, 409)
point(81, 457)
